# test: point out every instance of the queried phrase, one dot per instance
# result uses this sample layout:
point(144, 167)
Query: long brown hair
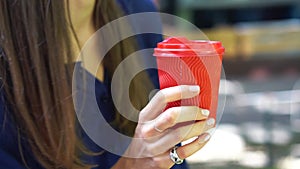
point(37, 77)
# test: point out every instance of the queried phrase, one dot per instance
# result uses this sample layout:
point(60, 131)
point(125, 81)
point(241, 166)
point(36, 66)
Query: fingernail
point(194, 89)
point(210, 121)
point(205, 112)
point(211, 131)
point(205, 139)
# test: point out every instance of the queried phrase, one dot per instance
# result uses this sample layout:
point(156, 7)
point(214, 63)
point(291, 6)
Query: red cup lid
point(182, 47)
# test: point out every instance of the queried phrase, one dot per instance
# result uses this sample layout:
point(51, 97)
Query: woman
point(39, 42)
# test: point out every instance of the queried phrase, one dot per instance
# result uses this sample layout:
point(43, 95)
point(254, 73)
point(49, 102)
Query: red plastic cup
point(191, 62)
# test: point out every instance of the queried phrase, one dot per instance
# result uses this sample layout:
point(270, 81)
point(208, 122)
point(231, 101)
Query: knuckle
point(158, 162)
point(178, 137)
point(142, 115)
point(171, 116)
point(161, 97)
point(194, 109)
point(151, 151)
point(182, 154)
point(198, 113)
point(198, 126)
point(197, 109)
point(184, 90)
point(145, 132)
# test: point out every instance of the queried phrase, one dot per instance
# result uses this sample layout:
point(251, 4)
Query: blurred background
point(260, 127)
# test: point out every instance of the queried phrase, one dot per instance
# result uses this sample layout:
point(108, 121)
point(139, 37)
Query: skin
point(81, 17)
point(175, 124)
point(156, 145)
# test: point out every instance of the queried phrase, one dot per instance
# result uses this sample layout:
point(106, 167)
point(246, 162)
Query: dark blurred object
point(207, 14)
point(168, 6)
point(215, 17)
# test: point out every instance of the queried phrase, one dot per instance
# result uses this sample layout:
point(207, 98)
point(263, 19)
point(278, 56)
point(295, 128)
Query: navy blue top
point(9, 150)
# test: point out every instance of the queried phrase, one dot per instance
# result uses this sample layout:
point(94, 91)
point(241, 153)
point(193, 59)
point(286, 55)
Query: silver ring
point(174, 156)
point(157, 129)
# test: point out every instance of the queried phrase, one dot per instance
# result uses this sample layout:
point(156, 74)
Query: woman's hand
point(159, 131)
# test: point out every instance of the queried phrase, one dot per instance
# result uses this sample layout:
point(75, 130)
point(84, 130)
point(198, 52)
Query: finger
point(189, 149)
point(173, 137)
point(164, 96)
point(176, 115)
point(196, 129)
point(173, 116)
point(163, 161)
point(172, 94)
